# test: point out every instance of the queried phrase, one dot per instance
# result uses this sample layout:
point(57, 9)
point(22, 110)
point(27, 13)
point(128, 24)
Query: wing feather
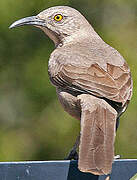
point(113, 83)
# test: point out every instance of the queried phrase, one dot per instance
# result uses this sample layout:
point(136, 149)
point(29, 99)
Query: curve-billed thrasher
point(92, 80)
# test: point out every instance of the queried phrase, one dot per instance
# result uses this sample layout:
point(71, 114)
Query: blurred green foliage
point(33, 125)
point(134, 177)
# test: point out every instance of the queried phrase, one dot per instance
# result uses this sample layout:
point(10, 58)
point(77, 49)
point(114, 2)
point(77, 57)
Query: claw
point(117, 157)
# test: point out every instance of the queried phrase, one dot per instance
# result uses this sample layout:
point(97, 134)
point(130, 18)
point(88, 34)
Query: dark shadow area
point(75, 174)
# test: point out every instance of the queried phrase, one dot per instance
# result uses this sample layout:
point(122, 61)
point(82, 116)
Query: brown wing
point(113, 83)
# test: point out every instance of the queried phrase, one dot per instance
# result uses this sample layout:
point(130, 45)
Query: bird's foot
point(117, 157)
point(72, 155)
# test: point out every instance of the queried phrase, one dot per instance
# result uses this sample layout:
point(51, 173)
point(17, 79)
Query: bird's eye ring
point(58, 17)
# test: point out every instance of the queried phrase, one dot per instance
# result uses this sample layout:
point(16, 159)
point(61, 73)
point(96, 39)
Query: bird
point(92, 80)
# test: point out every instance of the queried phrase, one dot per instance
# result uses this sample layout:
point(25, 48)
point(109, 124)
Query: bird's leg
point(73, 153)
point(117, 124)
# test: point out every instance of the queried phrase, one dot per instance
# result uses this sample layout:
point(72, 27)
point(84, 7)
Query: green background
point(33, 125)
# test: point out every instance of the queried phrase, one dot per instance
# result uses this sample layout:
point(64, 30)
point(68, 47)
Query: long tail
point(98, 123)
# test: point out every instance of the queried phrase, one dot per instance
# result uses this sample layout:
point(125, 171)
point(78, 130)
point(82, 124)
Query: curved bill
point(33, 20)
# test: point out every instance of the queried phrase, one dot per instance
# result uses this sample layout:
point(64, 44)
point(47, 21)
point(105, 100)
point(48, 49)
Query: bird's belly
point(69, 103)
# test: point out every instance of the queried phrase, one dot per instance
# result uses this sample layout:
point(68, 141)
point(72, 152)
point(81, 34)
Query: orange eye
point(58, 17)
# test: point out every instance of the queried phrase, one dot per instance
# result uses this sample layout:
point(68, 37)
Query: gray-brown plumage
point(92, 80)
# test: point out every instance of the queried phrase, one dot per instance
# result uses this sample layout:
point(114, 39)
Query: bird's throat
point(52, 35)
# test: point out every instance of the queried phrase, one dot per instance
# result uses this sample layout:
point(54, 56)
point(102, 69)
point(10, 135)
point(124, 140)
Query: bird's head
point(60, 23)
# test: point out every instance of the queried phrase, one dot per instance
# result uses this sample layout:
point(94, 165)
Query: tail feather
point(98, 123)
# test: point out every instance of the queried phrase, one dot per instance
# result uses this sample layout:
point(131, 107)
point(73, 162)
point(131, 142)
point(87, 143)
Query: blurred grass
point(134, 177)
point(33, 126)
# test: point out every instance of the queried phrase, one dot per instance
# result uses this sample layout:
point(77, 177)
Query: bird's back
point(93, 67)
